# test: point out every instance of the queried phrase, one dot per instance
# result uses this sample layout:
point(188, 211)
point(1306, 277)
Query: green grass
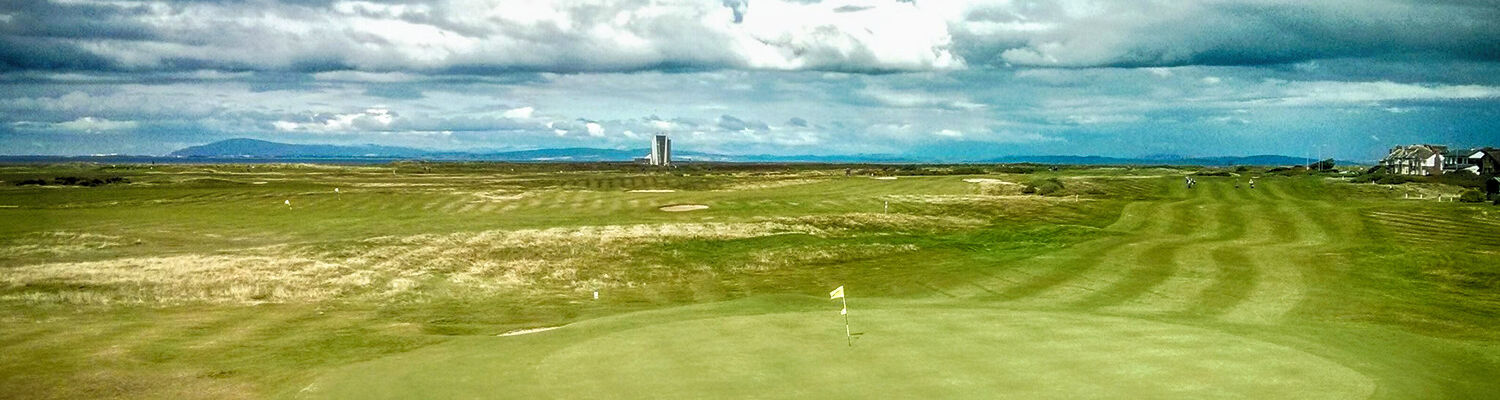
point(777, 349)
point(198, 281)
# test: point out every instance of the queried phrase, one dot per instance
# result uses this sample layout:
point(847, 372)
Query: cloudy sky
point(938, 80)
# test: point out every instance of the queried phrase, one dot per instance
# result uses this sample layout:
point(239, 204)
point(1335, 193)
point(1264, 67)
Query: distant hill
point(1227, 161)
point(264, 149)
point(260, 149)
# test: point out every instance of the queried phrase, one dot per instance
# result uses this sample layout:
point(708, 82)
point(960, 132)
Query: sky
point(933, 80)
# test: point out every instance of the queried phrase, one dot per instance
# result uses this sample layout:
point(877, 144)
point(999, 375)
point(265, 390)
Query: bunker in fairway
point(683, 207)
point(905, 353)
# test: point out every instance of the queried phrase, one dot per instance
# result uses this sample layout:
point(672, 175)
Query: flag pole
point(847, 337)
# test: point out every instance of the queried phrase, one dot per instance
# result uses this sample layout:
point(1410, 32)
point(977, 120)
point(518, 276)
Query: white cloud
point(949, 133)
point(370, 120)
point(519, 113)
point(1336, 92)
point(94, 125)
point(919, 98)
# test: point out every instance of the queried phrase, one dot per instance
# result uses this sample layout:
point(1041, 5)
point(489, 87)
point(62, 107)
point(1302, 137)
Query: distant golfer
point(288, 203)
point(1252, 183)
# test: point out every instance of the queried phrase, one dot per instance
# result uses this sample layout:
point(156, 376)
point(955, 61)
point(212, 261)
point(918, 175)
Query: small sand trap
point(526, 331)
point(257, 183)
point(886, 178)
point(653, 191)
point(683, 207)
point(988, 180)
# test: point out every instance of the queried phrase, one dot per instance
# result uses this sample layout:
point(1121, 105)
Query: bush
point(1017, 169)
point(1043, 187)
point(73, 181)
point(1212, 173)
point(1471, 196)
point(1460, 178)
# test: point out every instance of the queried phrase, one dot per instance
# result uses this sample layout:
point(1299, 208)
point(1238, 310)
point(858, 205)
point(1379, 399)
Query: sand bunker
point(988, 180)
point(652, 191)
point(683, 207)
point(526, 331)
point(886, 178)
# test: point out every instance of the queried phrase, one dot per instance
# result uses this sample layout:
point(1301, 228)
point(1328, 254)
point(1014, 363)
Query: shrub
point(1212, 173)
point(38, 182)
point(1460, 178)
point(1390, 179)
point(1043, 187)
point(1471, 196)
point(1017, 169)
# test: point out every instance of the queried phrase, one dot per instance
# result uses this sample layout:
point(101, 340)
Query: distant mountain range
point(260, 149)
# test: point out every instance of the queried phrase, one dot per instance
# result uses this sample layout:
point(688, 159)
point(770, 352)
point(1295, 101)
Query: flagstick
point(847, 337)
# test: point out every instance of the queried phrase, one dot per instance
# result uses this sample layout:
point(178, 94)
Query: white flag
point(836, 293)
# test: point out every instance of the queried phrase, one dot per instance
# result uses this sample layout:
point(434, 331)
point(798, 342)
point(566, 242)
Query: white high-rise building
point(661, 150)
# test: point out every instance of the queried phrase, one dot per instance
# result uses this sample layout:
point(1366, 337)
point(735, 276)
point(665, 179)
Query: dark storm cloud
point(730, 123)
point(502, 37)
point(1136, 34)
point(406, 92)
point(932, 79)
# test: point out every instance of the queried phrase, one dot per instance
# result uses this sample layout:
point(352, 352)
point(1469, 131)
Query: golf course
point(494, 280)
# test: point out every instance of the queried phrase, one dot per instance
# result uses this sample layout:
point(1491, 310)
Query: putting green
point(903, 352)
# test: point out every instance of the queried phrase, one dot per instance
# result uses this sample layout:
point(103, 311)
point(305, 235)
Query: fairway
point(202, 282)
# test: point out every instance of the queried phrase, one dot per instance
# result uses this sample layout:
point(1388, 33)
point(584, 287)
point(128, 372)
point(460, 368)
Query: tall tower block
point(661, 150)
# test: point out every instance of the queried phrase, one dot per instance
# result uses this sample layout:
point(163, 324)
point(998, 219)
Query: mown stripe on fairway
point(1280, 283)
point(1236, 279)
point(1432, 228)
point(1191, 223)
point(1196, 271)
point(1032, 276)
point(1153, 266)
point(1098, 276)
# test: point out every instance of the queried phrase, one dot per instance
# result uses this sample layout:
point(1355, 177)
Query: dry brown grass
point(771, 260)
point(980, 199)
point(59, 244)
point(768, 184)
point(492, 262)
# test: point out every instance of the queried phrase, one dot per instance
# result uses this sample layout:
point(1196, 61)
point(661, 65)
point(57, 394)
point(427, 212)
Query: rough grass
point(198, 281)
